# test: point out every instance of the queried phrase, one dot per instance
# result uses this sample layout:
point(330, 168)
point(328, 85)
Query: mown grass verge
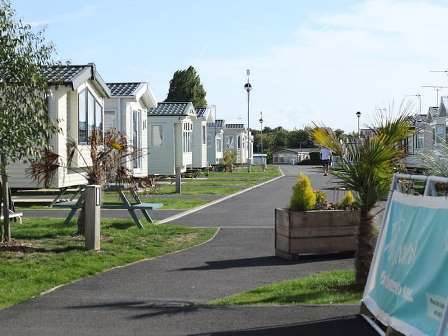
point(51, 256)
point(333, 287)
point(196, 192)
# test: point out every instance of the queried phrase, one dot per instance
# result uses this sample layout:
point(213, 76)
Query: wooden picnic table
point(131, 207)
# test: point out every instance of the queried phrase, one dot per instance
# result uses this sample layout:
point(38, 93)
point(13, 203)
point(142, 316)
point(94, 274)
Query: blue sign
point(408, 284)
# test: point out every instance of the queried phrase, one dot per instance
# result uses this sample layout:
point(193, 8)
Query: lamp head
point(248, 87)
point(358, 114)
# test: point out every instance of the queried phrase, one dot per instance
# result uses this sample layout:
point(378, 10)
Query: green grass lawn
point(321, 288)
point(57, 258)
point(196, 192)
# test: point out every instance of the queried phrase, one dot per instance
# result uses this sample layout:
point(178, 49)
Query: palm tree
point(366, 167)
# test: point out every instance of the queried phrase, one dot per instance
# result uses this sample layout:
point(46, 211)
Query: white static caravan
point(77, 94)
point(215, 140)
point(127, 111)
point(170, 128)
point(235, 138)
point(200, 136)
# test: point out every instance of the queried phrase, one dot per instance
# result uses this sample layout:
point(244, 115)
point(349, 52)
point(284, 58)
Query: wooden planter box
point(315, 232)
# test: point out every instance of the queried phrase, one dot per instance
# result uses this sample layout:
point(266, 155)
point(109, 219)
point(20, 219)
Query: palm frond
point(367, 165)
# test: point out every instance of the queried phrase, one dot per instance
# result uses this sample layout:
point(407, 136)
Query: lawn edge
point(306, 305)
point(48, 291)
point(219, 200)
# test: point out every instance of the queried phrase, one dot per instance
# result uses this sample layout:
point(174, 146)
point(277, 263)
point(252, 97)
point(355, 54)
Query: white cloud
point(336, 64)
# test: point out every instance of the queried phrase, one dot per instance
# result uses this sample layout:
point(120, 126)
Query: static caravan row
point(236, 139)
point(167, 135)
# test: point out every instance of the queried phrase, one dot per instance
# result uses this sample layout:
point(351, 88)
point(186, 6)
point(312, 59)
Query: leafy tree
point(298, 138)
point(25, 126)
point(367, 168)
point(280, 138)
point(276, 138)
point(186, 86)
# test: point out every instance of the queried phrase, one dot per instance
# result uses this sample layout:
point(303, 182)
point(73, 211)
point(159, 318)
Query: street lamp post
point(248, 88)
point(358, 114)
point(261, 129)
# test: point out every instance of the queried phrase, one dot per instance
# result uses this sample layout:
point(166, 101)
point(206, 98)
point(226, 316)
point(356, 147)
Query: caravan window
point(229, 142)
point(90, 116)
point(82, 118)
point(137, 138)
point(156, 135)
point(187, 128)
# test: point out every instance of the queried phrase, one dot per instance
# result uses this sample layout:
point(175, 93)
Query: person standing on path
point(325, 157)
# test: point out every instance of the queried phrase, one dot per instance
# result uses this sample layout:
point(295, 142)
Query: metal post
point(261, 133)
point(248, 132)
point(178, 180)
point(358, 114)
point(248, 88)
point(214, 145)
point(92, 217)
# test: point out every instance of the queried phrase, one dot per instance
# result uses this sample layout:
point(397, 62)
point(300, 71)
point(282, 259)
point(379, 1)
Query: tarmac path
point(167, 295)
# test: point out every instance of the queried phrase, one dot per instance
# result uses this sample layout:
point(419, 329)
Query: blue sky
point(310, 60)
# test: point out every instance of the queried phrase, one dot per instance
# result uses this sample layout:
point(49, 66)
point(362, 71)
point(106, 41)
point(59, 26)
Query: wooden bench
point(138, 205)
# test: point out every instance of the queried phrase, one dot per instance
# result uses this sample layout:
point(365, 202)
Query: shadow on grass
point(32, 249)
point(122, 225)
point(265, 261)
point(147, 309)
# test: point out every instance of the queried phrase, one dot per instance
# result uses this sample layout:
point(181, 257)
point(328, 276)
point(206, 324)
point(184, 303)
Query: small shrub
point(303, 197)
point(347, 201)
point(229, 158)
point(321, 199)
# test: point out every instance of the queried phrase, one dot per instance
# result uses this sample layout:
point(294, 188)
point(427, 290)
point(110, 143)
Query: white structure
point(170, 128)
point(292, 155)
point(428, 132)
point(260, 159)
point(203, 116)
point(215, 140)
point(235, 138)
point(127, 111)
point(76, 100)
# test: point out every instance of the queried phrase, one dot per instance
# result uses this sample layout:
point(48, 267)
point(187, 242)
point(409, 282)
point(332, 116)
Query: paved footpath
point(166, 296)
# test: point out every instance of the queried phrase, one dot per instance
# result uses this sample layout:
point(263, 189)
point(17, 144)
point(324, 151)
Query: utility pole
point(261, 131)
point(358, 115)
point(248, 88)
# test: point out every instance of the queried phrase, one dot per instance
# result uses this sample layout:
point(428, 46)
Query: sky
point(311, 61)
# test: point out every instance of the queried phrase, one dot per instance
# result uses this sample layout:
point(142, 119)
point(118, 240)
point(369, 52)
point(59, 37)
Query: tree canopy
point(278, 138)
point(25, 126)
point(186, 86)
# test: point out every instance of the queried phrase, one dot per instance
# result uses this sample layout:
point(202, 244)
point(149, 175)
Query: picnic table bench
point(131, 207)
point(12, 214)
